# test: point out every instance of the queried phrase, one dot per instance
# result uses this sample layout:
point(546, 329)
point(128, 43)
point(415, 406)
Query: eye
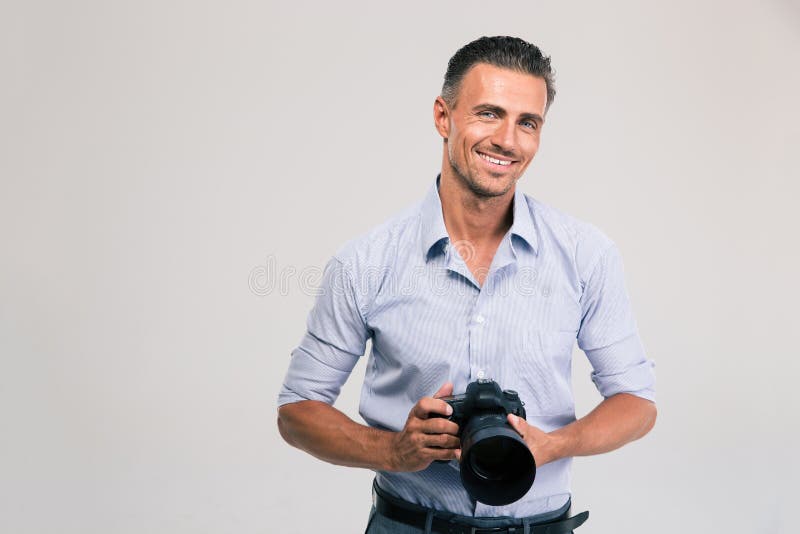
point(529, 124)
point(487, 114)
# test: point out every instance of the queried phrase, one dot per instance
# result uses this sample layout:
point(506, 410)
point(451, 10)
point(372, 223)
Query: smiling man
point(476, 281)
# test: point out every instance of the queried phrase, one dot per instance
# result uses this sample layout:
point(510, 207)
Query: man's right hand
point(425, 437)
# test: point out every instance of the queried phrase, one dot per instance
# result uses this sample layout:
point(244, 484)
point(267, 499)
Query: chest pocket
point(542, 371)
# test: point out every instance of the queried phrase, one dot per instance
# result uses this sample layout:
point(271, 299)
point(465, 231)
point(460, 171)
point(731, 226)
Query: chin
point(490, 190)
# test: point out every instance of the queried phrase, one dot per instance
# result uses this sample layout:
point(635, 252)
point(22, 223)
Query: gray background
point(164, 165)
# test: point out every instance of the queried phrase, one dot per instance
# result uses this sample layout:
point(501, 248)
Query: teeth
point(494, 160)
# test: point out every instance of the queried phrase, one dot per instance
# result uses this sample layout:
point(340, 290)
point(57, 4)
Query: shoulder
point(380, 245)
point(370, 260)
point(582, 242)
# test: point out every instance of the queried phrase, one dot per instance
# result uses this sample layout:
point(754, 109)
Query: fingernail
point(449, 410)
point(514, 418)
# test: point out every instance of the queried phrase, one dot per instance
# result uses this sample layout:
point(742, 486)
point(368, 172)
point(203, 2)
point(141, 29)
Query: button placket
point(476, 341)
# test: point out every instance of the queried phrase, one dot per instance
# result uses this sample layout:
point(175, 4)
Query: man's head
point(491, 112)
point(510, 53)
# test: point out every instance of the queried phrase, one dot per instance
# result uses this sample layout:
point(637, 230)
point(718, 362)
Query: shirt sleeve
point(608, 332)
point(335, 339)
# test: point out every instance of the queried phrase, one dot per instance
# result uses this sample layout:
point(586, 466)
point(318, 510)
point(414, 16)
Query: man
point(477, 281)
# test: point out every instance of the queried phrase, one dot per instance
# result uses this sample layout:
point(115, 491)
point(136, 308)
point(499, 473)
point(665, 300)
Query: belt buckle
point(477, 530)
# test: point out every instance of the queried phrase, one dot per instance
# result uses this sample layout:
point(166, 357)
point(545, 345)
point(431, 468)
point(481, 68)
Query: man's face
point(492, 132)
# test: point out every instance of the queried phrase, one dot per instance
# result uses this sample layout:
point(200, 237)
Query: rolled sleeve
point(608, 334)
point(335, 339)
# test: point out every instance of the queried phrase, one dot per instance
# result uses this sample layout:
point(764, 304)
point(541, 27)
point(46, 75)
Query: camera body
point(481, 398)
point(497, 467)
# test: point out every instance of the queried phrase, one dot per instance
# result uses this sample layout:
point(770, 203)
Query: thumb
point(517, 423)
point(444, 391)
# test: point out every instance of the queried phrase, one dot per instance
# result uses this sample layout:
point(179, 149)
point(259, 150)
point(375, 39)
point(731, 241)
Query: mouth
point(495, 161)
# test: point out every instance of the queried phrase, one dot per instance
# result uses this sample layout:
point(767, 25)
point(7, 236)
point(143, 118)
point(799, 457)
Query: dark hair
point(505, 52)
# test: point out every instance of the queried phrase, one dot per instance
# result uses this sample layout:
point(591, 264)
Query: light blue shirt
point(405, 286)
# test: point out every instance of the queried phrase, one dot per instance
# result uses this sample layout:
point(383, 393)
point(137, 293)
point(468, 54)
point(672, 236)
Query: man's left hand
point(544, 446)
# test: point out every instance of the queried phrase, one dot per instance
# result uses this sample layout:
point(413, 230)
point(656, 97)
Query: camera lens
point(496, 458)
point(497, 468)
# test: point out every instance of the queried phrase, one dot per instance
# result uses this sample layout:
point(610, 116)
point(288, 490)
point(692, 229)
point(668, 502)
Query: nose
point(505, 137)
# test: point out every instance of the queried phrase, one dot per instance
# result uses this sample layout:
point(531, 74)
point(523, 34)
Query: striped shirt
point(406, 287)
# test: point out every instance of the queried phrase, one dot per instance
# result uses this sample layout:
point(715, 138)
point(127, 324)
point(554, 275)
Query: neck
point(480, 220)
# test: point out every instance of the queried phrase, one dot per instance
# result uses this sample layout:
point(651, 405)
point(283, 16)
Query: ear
point(441, 117)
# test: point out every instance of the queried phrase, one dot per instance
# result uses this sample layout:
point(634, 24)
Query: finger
point(437, 425)
point(518, 423)
point(428, 405)
point(458, 454)
point(444, 391)
point(441, 454)
point(443, 441)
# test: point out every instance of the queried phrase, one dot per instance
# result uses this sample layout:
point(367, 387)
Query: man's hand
point(424, 437)
point(542, 445)
point(616, 421)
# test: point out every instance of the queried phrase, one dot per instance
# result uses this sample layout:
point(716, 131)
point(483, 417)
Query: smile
point(496, 161)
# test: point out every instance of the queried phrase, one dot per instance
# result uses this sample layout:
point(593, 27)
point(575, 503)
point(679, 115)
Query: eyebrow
point(502, 112)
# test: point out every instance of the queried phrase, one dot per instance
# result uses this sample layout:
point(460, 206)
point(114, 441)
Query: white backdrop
point(173, 176)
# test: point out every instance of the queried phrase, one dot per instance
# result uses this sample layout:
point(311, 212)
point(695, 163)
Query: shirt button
point(479, 319)
point(481, 374)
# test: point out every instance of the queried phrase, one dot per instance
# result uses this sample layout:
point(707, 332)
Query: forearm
point(328, 434)
point(616, 421)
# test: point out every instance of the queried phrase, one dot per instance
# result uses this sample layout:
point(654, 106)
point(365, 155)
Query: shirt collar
point(434, 231)
point(523, 225)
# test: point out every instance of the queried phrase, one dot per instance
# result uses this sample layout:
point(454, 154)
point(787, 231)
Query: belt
point(447, 523)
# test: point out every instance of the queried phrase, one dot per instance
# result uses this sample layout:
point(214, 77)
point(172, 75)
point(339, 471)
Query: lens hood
point(497, 467)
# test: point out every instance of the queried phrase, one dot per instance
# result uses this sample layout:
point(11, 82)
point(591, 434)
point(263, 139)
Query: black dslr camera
point(497, 468)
